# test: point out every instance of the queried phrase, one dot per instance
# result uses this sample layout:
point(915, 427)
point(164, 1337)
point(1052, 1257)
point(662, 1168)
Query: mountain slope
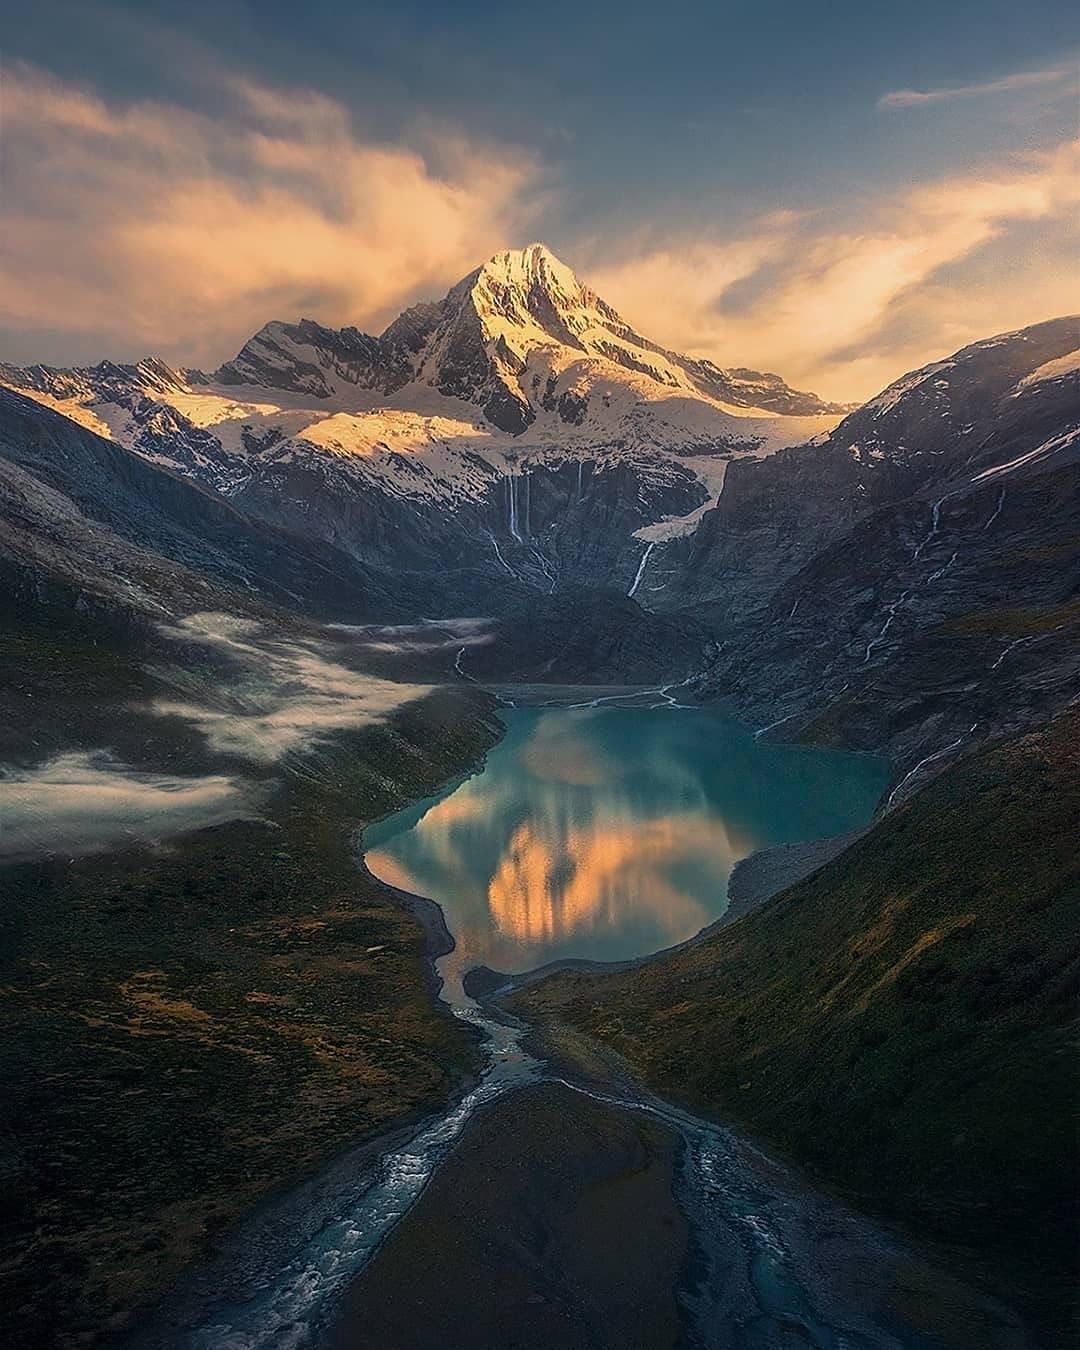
point(913, 583)
point(517, 429)
point(85, 514)
point(976, 409)
point(193, 1027)
point(523, 314)
point(903, 1020)
point(88, 527)
point(858, 581)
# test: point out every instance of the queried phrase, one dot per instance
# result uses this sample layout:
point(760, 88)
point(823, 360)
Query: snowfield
point(519, 364)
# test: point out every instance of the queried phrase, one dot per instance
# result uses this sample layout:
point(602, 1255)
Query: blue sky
point(744, 140)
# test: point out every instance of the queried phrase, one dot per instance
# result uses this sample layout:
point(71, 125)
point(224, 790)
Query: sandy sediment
point(552, 1226)
point(771, 870)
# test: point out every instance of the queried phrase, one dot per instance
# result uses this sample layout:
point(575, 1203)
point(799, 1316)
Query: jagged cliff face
point(518, 337)
point(84, 524)
point(977, 409)
point(515, 435)
point(912, 584)
point(902, 579)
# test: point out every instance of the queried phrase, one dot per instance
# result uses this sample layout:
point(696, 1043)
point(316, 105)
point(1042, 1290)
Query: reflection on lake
point(609, 833)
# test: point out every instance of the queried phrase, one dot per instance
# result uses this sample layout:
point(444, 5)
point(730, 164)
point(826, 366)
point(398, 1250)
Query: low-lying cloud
point(286, 693)
point(267, 697)
point(422, 639)
point(81, 803)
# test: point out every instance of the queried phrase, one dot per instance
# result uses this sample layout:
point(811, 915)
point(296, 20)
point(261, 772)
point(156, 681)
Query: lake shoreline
point(755, 880)
point(623, 800)
point(311, 1202)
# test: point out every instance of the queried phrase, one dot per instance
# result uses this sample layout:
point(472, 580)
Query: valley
point(925, 977)
point(740, 1263)
point(603, 834)
point(579, 632)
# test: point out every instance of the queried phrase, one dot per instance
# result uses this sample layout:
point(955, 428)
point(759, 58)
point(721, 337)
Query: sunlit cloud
point(1025, 79)
point(136, 227)
point(819, 297)
point(152, 227)
point(286, 694)
point(79, 803)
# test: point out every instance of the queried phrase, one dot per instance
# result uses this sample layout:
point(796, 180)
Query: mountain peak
point(520, 336)
point(530, 295)
point(530, 266)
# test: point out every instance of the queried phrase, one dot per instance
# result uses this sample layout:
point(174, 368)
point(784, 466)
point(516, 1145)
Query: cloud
point(1028, 79)
point(80, 803)
point(136, 227)
point(427, 637)
point(286, 694)
point(271, 696)
point(151, 227)
point(844, 300)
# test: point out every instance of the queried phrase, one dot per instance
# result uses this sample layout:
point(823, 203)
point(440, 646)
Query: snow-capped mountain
point(518, 357)
point(518, 420)
point(915, 563)
point(519, 436)
point(519, 337)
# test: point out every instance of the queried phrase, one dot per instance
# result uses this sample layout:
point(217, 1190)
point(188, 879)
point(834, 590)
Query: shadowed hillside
point(192, 1023)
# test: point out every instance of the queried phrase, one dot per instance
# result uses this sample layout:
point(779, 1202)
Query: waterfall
point(997, 509)
point(930, 759)
point(641, 567)
point(942, 570)
point(890, 615)
point(498, 554)
point(935, 517)
point(513, 519)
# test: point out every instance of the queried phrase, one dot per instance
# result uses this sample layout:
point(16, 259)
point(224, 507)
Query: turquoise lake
point(609, 833)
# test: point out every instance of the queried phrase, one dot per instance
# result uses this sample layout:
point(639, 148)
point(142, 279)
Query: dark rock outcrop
point(923, 593)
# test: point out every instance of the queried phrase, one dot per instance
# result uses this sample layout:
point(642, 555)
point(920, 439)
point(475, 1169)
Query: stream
point(771, 1262)
point(774, 1263)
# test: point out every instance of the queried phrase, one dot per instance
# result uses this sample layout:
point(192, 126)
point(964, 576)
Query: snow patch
point(1069, 364)
point(1041, 452)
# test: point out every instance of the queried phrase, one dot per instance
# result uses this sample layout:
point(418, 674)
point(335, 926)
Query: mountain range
point(226, 598)
point(510, 402)
point(901, 578)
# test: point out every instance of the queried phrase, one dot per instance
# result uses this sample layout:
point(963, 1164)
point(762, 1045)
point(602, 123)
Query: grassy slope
point(901, 1022)
point(188, 1027)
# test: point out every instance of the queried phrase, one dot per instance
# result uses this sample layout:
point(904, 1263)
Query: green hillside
point(902, 1022)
